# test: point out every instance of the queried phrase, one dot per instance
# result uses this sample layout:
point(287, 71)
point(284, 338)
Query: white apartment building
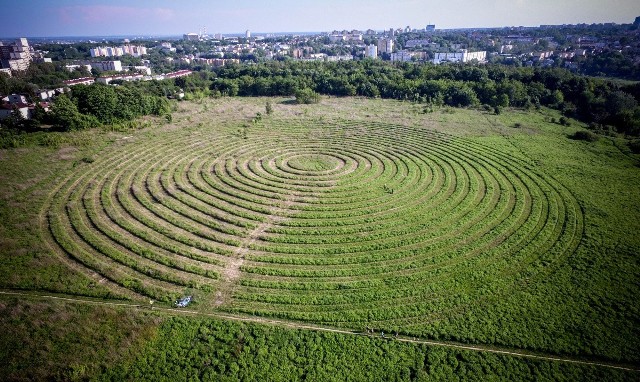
point(463, 56)
point(16, 56)
point(371, 51)
point(103, 66)
point(402, 56)
point(111, 51)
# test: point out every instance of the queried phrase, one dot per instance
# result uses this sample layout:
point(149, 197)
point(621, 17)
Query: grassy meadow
point(447, 224)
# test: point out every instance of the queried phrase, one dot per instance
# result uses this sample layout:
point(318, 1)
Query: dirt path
point(231, 272)
point(296, 325)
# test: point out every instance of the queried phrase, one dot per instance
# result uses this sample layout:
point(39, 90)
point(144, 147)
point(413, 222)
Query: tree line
point(603, 104)
point(599, 102)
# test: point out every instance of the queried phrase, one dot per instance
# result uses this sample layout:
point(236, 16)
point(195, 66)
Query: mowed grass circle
point(348, 223)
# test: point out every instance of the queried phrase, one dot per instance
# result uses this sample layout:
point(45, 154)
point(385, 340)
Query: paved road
point(296, 325)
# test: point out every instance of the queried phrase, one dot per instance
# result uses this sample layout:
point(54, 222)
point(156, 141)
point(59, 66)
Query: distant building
point(463, 56)
point(191, 37)
point(430, 28)
point(80, 81)
point(166, 47)
point(416, 43)
point(406, 56)
point(385, 45)
point(346, 57)
point(371, 51)
point(122, 77)
point(355, 37)
point(247, 34)
point(75, 67)
point(115, 51)
point(16, 56)
point(7, 109)
point(15, 99)
point(179, 73)
point(45, 94)
point(101, 66)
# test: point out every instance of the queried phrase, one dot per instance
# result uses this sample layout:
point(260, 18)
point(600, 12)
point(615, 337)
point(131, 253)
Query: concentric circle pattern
point(345, 223)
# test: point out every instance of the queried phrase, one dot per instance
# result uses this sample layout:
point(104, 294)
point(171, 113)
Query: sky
point(41, 18)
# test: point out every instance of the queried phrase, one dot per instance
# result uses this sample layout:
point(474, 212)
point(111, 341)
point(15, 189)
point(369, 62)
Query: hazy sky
point(32, 18)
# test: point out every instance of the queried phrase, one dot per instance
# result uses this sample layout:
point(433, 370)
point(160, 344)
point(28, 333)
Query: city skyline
point(39, 18)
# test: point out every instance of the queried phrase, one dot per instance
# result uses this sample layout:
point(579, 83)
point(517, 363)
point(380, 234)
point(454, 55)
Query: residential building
point(414, 43)
point(247, 34)
point(104, 66)
point(7, 109)
point(72, 68)
point(166, 46)
point(123, 77)
point(347, 57)
point(15, 99)
point(80, 81)
point(385, 45)
point(16, 56)
point(179, 73)
point(371, 51)
point(114, 51)
point(355, 37)
point(45, 94)
point(405, 56)
point(463, 56)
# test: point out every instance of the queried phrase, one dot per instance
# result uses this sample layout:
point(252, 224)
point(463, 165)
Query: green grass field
point(353, 213)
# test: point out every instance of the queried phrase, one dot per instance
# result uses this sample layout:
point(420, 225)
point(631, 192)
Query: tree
point(65, 115)
point(98, 100)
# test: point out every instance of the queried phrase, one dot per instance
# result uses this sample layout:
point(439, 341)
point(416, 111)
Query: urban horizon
point(91, 18)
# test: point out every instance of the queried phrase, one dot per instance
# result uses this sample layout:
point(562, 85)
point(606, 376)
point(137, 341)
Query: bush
point(583, 135)
point(306, 96)
point(634, 146)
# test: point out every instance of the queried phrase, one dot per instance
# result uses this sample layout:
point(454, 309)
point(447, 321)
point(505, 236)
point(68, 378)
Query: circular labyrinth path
point(348, 223)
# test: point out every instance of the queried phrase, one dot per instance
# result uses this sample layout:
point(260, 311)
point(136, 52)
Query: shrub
point(634, 146)
point(583, 135)
point(306, 96)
